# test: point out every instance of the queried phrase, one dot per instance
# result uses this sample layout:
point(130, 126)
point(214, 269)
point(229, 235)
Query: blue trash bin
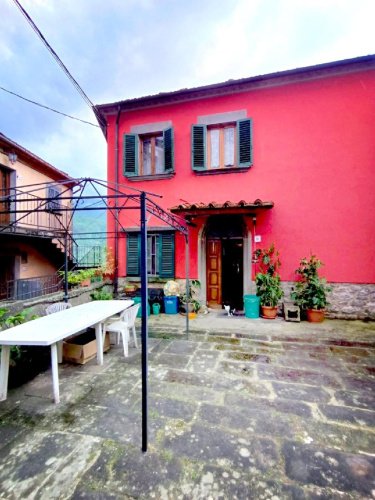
point(171, 304)
point(251, 303)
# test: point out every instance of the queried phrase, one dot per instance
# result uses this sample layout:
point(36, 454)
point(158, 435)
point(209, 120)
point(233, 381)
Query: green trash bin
point(251, 303)
point(155, 308)
point(138, 300)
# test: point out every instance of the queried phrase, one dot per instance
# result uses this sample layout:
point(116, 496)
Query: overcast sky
point(119, 49)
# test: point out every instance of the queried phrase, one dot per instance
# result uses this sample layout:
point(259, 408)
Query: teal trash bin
point(171, 305)
point(251, 303)
point(138, 300)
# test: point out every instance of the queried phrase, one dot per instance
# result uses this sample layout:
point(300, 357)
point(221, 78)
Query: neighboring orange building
point(286, 158)
point(30, 242)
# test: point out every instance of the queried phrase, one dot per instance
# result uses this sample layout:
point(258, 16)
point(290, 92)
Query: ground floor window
point(160, 254)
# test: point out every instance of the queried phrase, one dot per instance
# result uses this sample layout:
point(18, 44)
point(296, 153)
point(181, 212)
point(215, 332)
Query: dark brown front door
point(213, 259)
point(4, 192)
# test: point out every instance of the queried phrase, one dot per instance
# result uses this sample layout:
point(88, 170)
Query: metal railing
point(85, 256)
point(28, 288)
point(25, 210)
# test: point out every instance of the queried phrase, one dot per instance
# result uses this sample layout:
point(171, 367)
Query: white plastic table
point(51, 329)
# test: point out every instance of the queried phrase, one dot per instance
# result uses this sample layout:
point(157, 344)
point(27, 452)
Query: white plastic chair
point(58, 306)
point(122, 327)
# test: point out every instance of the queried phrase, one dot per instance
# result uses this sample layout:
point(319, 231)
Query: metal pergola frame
point(120, 196)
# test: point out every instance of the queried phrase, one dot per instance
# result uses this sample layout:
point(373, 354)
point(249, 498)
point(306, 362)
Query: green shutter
point(198, 147)
point(130, 155)
point(168, 150)
point(166, 255)
point(245, 142)
point(132, 254)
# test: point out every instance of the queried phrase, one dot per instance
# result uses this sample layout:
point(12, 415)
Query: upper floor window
point(54, 203)
point(149, 154)
point(222, 146)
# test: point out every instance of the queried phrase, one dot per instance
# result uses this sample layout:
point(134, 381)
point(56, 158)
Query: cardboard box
point(81, 348)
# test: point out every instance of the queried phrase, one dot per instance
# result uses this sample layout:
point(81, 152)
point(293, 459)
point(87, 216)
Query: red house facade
point(285, 158)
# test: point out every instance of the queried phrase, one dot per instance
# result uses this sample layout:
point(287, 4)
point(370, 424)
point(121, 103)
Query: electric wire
point(61, 64)
point(47, 107)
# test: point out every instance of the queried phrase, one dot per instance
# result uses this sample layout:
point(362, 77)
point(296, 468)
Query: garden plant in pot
point(190, 298)
point(267, 281)
point(310, 292)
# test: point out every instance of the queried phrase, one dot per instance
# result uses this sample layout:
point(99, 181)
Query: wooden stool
point(291, 312)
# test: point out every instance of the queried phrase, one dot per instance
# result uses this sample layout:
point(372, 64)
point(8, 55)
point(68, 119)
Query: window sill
point(228, 170)
point(155, 177)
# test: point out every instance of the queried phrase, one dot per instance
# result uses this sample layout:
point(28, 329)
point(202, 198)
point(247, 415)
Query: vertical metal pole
point(66, 297)
point(187, 281)
point(116, 256)
point(144, 302)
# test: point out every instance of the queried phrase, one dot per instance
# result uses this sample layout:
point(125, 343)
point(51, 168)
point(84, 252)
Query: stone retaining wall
point(347, 300)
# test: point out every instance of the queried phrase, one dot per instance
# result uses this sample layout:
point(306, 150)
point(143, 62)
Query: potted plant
point(108, 267)
point(310, 292)
point(193, 304)
point(267, 281)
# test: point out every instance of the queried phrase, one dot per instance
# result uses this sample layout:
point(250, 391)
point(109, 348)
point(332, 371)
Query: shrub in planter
point(310, 292)
point(25, 362)
point(267, 281)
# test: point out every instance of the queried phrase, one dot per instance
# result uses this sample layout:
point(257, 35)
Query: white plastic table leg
point(4, 371)
point(60, 351)
point(55, 373)
point(99, 343)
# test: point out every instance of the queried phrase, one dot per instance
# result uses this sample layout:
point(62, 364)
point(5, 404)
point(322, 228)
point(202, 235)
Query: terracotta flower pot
point(268, 312)
point(315, 315)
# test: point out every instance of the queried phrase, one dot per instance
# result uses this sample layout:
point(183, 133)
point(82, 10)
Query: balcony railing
point(87, 256)
point(28, 211)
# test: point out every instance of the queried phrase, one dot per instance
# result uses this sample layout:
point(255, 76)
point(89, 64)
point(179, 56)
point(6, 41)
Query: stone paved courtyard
point(241, 409)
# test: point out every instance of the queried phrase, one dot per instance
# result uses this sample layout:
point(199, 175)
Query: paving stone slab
point(356, 399)
point(121, 472)
point(238, 368)
point(300, 392)
point(34, 467)
point(184, 392)
point(9, 432)
point(216, 446)
point(172, 360)
point(278, 405)
point(181, 347)
point(219, 483)
point(345, 472)
point(300, 376)
point(346, 414)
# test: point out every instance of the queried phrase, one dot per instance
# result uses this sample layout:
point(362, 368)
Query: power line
point(61, 64)
point(47, 107)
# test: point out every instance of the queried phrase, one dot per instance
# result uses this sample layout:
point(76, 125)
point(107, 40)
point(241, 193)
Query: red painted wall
point(314, 157)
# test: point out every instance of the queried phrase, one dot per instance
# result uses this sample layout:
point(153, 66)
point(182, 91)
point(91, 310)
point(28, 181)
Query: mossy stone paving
point(240, 409)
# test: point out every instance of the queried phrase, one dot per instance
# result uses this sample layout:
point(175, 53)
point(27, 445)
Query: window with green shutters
point(160, 254)
point(148, 154)
point(222, 146)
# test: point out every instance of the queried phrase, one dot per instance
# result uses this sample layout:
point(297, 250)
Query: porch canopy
point(191, 210)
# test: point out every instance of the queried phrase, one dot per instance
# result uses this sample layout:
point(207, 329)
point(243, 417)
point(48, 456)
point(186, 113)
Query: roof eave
point(276, 78)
